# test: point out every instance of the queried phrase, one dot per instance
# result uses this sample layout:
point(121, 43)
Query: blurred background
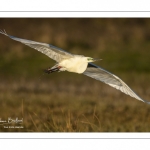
point(68, 102)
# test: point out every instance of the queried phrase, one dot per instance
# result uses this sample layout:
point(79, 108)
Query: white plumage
point(77, 64)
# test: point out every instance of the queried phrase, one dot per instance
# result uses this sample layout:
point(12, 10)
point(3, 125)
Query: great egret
point(78, 64)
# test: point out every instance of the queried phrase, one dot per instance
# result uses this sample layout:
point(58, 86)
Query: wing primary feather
point(51, 51)
point(100, 74)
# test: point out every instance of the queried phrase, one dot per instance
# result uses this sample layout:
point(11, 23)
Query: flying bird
point(77, 64)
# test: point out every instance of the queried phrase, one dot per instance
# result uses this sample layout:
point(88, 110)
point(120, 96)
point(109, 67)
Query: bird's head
point(89, 59)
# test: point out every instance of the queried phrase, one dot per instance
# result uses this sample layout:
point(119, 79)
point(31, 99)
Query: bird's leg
point(51, 70)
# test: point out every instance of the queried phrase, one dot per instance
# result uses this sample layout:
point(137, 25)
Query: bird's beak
point(96, 59)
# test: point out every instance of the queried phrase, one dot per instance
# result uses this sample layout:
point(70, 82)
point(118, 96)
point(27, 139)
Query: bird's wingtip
point(3, 32)
point(147, 102)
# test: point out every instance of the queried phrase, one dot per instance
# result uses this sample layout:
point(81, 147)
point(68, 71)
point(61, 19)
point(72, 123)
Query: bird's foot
point(49, 70)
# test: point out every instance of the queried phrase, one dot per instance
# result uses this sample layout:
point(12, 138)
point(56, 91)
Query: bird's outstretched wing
point(51, 51)
point(100, 74)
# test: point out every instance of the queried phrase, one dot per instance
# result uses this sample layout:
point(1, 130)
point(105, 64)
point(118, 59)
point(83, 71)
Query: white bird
point(77, 64)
